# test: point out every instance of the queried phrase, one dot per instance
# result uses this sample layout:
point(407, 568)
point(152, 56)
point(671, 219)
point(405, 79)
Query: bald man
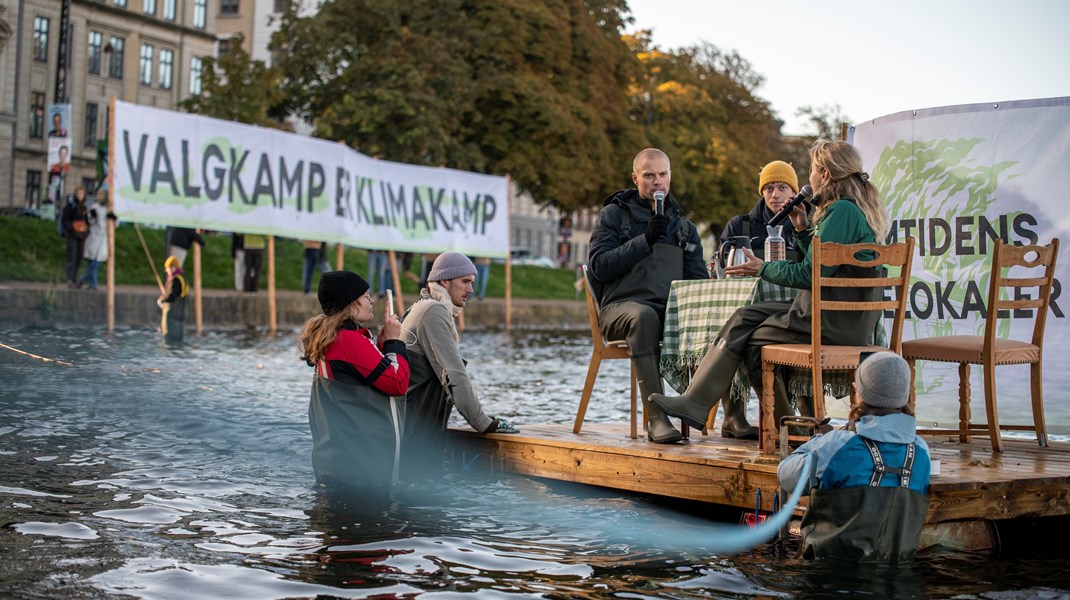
point(635, 254)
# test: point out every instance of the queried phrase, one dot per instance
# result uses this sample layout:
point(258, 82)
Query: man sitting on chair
point(635, 254)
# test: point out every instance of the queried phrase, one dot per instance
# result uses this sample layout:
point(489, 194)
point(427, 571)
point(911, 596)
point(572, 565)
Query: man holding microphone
point(640, 244)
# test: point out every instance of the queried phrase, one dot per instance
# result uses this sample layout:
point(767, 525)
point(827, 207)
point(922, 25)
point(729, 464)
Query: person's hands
point(500, 425)
point(391, 329)
point(747, 269)
point(799, 219)
point(656, 229)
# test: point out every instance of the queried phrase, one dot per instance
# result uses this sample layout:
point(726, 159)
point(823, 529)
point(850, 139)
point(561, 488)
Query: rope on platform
point(41, 358)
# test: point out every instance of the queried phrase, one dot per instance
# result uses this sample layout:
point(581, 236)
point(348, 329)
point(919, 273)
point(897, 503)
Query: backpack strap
point(625, 225)
point(880, 468)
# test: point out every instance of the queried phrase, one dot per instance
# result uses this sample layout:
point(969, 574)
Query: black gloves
point(656, 229)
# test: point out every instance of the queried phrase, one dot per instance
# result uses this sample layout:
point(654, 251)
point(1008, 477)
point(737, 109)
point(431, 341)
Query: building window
point(115, 65)
point(167, 67)
point(121, 3)
point(195, 66)
point(145, 65)
point(96, 44)
point(90, 125)
point(200, 13)
point(37, 115)
point(33, 189)
point(148, 7)
point(40, 39)
point(228, 7)
point(281, 5)
point(169, 10)
point(90, 185)
point(224, 48)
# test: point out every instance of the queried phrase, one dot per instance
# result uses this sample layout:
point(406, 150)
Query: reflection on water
point(156, 472)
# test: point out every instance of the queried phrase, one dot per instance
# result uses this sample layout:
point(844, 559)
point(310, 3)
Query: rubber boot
point(712, 379)
point(658, 428)
point(735, 423)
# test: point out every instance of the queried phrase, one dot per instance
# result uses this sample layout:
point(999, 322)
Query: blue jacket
point(841, 460)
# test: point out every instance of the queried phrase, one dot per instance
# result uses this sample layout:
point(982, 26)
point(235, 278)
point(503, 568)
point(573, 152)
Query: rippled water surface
point(153, 472)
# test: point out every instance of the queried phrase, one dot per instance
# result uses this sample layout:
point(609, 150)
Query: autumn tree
point(535, 90)
point(699, 105)
point(237, 88)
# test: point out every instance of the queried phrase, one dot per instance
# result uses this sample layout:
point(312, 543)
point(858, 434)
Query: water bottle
point(775, 247)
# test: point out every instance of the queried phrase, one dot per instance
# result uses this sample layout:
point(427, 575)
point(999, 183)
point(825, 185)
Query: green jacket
point(843, 223)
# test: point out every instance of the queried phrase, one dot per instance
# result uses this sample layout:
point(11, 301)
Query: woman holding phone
point(357, 407)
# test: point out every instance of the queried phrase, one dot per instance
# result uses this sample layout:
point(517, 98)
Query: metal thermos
point(736, 254)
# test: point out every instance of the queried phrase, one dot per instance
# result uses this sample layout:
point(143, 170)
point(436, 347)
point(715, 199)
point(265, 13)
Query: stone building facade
point(148, 52)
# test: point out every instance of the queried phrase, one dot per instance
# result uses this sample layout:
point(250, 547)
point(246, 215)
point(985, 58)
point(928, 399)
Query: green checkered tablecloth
point(694, 314)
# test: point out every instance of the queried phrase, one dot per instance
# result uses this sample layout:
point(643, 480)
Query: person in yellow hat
point(777, 184)
point(173, 302)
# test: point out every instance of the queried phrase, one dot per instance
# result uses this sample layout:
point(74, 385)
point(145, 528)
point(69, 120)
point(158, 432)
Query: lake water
point(145, 471)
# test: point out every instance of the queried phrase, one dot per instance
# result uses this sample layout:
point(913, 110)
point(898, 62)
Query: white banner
point(193, 171)
point(956, 178)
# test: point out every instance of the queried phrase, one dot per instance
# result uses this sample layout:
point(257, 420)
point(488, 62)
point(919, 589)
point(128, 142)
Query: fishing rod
point(148, 256)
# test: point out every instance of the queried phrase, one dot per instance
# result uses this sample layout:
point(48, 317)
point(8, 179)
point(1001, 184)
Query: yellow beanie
point(778, 171)
point(170, 263)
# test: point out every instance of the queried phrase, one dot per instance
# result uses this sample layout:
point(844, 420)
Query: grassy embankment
point(30, 250)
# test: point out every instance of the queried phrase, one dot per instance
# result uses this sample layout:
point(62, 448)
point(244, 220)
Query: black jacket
point(614, 252)
point(753, 225)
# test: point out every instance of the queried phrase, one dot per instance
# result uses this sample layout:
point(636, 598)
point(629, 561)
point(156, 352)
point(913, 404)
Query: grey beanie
point(450, 265)
point(883, 380)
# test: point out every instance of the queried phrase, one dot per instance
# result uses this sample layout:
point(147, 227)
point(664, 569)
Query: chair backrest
point(592, 311)
point(891, 255)
point(1005, 257)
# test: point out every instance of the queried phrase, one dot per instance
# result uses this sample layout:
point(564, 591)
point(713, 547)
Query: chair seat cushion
point(969, 349)
point(832, 357)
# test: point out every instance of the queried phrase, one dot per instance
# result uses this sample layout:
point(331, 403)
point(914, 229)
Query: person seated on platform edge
point(862, 509)
point(848, 210)
point(777, 184)
point(357, 407)
point(439, 377)
point(634, 257)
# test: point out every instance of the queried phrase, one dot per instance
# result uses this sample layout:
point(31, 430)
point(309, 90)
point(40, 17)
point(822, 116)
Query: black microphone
point(785, 210)
point(659, 202)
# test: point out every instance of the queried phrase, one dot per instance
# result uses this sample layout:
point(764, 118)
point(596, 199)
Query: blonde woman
point(357, 408)
point(847, 210)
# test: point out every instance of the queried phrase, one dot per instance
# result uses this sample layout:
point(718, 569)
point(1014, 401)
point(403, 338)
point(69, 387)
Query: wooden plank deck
point(974, 483)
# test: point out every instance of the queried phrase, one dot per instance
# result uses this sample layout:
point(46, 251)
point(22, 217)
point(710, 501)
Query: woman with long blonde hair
point(357, 408)
point(848, 210)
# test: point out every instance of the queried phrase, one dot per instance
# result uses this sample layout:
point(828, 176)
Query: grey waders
point(658, 428)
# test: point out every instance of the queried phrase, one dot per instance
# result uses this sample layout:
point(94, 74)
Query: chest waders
point(356, 436)
point(647, 283)
point(867, 523)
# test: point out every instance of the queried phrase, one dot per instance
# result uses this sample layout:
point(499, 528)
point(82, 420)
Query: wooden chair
point(602, 350)
point(988, 351)
point(829, 357)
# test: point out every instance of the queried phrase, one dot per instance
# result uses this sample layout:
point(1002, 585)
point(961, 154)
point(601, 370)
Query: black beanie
point(339, 289)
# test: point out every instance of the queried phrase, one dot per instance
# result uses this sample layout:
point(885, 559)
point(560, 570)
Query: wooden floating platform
point(974, 483)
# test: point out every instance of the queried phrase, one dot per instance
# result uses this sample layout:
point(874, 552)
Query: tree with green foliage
point(534, 90)
point(237, 88)
point(698, 104)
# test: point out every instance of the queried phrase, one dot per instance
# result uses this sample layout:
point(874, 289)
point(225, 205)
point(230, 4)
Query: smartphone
point(390, 303)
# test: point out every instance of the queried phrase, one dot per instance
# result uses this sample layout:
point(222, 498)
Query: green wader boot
point(712, 379)
point(735, 423)
point(658, 428)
